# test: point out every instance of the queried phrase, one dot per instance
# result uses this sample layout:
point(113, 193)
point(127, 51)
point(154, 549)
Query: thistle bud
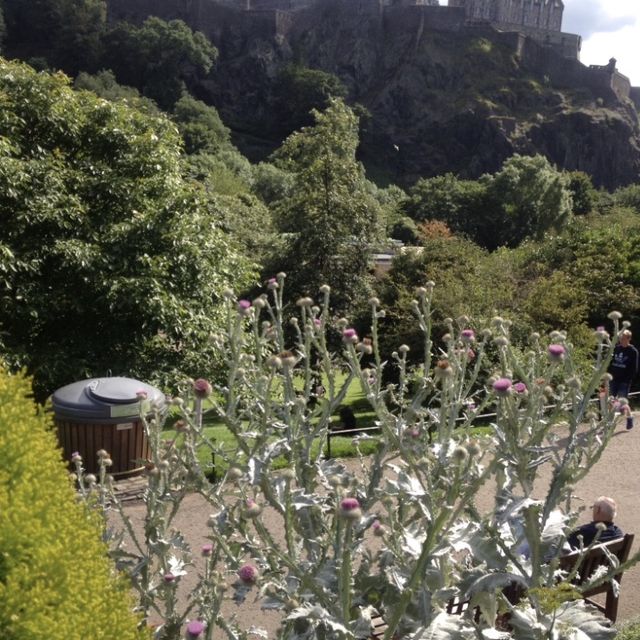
point(502, 386)
point(252, 509)
point(350, 509)
point(556, 352)
point(195, 629)
point(234, 473)
point(248, 574)
point(378, 529)
point(202, 388)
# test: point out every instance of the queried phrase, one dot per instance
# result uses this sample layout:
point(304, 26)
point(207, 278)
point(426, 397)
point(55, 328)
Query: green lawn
point(341, 446)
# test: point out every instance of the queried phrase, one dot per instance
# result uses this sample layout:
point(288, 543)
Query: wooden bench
point(585, 564)
point(588, 562)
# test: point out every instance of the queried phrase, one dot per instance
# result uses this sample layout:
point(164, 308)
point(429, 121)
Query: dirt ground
point(616, 475)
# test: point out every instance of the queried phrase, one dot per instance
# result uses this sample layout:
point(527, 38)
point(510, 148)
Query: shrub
point(56, 581)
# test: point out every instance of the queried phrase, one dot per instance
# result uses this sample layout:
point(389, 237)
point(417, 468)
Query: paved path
point(617, 474)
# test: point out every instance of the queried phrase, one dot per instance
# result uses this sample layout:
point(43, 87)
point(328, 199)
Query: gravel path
point(616, 475)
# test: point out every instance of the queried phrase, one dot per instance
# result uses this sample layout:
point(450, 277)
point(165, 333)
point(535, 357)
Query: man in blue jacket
point(604, 511)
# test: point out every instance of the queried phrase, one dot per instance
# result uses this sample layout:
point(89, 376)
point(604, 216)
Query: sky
point(609, 29)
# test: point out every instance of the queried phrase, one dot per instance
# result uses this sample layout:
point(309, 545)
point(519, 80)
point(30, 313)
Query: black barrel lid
point(105, 400)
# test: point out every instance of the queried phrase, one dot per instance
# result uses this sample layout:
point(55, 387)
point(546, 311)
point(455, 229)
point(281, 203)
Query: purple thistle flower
point(202, 388)
point(207, 550)
point(556, 352)
point(520, 387)
point(378, 529)
point(243, 307)
point(248, 574)
point(348, 504)
point(502, 386)
point(195, 628)
point(468, 335)
point(350, 509)
point(350, 335)
point(76, 457)
point(168, 578)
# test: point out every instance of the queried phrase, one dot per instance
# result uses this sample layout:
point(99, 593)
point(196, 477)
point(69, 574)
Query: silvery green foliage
point(413, 540)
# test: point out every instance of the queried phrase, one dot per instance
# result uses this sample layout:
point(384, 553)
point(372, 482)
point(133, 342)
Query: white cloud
point(587, 17)
point(610, 29)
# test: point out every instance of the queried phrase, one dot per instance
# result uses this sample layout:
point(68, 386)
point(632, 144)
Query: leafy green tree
point(583, 194)
point(298, 90)
point(200, 126)
point(459, 203)
point(109, 260)
point(628, 197)
point(270, 183)
point(465, 286)
point(527, 198)
point(67, 33)
point(329, 217)
point(405, 230)
point(598, 269)
point(104, 84)
point(159, 58)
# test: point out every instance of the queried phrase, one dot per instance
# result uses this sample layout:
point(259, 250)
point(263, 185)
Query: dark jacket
point(624, 364)
point(589, 531)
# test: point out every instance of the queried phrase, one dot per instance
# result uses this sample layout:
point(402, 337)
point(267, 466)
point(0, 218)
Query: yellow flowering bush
point(56, 581)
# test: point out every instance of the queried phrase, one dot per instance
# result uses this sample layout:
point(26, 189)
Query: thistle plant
point(400, 533)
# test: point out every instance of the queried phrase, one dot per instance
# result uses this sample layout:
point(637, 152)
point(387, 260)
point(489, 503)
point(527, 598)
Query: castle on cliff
point(530, 27)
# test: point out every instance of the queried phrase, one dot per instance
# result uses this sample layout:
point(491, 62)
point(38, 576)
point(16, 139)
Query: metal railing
point(332, 433)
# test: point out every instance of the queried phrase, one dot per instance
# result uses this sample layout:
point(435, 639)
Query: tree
point(628, 197)
point(298, 90)
point(159, 58)
point(583, 194)
point(109, 260)
point(465, 286)
point(104, 84)
point(527, 198)
point(66, 33)
point(458, 203)
point(200, 125)
point(329, 216)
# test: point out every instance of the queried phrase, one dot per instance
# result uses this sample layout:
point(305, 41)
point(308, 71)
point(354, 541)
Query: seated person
point(604, 511)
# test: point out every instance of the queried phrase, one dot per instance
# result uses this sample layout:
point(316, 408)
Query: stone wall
point(398, 18)
point(603, 81)
point(537, 14)
point(568, 44)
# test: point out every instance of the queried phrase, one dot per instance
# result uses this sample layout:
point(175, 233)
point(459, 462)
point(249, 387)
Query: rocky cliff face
point(457, 100)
